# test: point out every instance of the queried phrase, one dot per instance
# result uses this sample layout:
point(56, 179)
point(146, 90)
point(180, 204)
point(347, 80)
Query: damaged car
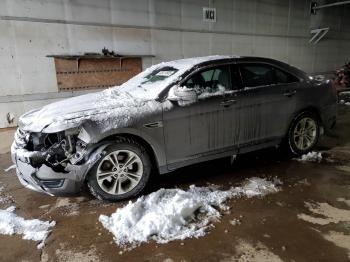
point(171, 115)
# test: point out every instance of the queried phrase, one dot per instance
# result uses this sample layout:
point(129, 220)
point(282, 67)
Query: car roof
point(217, 59)
point(194, 61)
point(255, 59)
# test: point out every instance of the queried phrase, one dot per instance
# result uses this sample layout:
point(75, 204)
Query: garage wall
point(168, 29)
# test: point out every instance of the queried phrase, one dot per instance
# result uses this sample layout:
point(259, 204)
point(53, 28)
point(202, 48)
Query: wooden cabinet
point(94, 71)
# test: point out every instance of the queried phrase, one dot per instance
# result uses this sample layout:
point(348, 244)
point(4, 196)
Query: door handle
point(290, 93)
point(227, 103)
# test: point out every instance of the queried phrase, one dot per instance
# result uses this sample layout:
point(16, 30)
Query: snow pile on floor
point(171, 214)
point(311, 157)
point(33, 229)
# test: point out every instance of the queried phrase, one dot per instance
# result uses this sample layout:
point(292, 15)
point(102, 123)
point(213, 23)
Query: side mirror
point(184, 96)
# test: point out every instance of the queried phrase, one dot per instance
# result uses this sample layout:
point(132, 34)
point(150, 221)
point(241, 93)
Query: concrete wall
point(168, 29)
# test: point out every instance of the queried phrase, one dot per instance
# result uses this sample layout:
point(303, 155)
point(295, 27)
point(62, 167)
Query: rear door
point(265, 104)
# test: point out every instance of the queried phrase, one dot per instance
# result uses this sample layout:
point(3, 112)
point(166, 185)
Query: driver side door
point(196, 131)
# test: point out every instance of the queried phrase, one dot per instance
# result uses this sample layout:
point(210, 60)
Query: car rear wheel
point(123, 171)
point(303, 133)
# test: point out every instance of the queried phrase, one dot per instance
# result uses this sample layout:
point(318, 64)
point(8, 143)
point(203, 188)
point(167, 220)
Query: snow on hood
point(120, 102)
point(66, 109)
point(72, 112)
point(175, 214)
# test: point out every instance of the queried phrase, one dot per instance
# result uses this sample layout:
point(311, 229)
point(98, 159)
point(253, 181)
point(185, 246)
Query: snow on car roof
point(190, 62)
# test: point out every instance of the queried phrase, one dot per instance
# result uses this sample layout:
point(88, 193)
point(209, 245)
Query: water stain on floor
point(248, 252)
point(324, 213)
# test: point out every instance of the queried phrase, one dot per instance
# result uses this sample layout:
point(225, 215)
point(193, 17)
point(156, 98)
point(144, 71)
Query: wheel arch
point(314, 110)
point(311, 109)
point(143, 142)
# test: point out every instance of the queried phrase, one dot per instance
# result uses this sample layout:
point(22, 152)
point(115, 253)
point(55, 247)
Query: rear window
point(284, 77)
point(257, 75)
point(254, 75)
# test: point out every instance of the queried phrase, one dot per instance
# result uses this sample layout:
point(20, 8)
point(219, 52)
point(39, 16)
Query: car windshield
point(159, 75)
point(151, 82)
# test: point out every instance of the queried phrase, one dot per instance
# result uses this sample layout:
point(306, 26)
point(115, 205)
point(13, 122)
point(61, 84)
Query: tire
point(112, 178)
point(303, 133)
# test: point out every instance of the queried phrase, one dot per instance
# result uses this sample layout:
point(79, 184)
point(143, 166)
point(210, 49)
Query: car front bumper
point(44, 178)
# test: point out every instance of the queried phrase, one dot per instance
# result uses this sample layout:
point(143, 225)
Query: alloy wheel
point(119, 172)
point(305, 133)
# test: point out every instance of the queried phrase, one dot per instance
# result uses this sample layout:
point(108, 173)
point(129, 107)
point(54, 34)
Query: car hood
point(72, 112)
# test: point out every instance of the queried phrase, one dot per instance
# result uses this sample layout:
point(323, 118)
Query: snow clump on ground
point(311, 157)
point(33, 229)
point(176, 214)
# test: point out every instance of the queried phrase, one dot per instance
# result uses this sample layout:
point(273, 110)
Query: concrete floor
point(6, 138)
point(309, 220)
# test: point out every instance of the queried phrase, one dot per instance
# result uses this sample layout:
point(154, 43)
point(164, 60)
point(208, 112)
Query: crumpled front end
point(53, 163)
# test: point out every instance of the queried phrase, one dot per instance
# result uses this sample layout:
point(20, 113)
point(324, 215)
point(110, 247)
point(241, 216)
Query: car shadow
point(219, 170)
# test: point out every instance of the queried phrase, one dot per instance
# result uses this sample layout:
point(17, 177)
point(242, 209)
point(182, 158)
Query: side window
point(236, 81)
point(254, 75)
point(282, 77)
point(213, 80)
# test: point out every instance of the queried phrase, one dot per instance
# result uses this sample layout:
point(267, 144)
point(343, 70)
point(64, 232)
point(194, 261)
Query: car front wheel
point(123, 171)
point(303, 133)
